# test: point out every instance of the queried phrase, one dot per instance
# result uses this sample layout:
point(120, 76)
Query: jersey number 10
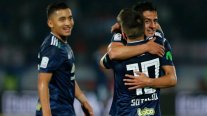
point(144, 68)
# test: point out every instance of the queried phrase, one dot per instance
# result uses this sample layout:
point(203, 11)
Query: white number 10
point(144, 66)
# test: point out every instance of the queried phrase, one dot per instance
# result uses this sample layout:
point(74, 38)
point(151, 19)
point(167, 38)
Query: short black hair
point(51, 8)
point(142, 6)
point(132, 23)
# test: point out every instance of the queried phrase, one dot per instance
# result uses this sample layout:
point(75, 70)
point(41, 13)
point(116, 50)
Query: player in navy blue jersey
point(151, 71)
point(118, 51)
point(57, 86)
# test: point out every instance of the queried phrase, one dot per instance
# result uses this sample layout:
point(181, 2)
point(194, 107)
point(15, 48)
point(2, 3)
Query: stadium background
point(23, 28)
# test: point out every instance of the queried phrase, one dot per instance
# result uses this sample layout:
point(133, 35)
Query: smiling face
point(61, 22)
point(151, 22)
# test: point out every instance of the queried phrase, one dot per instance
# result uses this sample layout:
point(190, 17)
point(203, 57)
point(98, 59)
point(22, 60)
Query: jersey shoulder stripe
point(54, 41)
point(158, 34)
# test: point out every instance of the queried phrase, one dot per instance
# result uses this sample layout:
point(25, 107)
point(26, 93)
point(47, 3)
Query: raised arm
point(43, 91)
point(118, 51)
point(87, 109)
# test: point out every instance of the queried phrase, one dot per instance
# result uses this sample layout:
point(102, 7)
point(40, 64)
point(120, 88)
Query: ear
point(49, 23)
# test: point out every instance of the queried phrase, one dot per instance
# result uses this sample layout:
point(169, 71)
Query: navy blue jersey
point(143, 101)
point(57, 58)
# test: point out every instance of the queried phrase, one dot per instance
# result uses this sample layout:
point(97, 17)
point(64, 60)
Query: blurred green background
point(23, 27)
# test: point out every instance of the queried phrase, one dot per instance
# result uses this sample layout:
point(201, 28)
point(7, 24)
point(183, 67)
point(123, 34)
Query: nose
point(67, 22)
point(153, 25)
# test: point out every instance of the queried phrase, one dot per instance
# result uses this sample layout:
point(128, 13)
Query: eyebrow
point(151, 19)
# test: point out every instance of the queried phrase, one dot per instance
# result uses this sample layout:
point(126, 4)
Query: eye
point(70, 18)
point(146, 21)
point(156, 21)
point(62, 19)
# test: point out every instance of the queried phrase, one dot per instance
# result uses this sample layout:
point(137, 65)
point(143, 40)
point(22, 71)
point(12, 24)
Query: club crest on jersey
point(44, 62)
point(117, 37)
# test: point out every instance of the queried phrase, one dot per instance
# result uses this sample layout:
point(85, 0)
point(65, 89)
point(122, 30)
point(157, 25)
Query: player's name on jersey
point(137, 102)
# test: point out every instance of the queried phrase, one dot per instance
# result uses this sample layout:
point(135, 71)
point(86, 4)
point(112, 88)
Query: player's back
point(137, 102)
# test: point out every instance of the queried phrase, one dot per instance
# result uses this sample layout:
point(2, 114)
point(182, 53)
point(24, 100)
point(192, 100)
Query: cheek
point(72, 23)
point(146, 25)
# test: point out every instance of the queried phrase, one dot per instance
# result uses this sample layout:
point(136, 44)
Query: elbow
point(101, 64)
point(113, 54)
point(173, 82)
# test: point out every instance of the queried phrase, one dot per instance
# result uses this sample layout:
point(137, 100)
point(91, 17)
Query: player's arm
point(102, 61)
point(117, 51)
point(141, 81)
point(43, 91)
point(87, 109)
point(168, 80)
point(106, 62)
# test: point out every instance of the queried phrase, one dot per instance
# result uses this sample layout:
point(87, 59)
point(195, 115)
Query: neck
point(135, 39)
point(61, 38)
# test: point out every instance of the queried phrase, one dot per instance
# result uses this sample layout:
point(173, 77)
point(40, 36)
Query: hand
point(155, 48)
point(136, 82)
point(116, 28)
point(87, 109)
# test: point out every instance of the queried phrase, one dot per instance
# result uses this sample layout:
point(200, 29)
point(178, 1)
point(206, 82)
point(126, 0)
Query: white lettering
point(137, 102)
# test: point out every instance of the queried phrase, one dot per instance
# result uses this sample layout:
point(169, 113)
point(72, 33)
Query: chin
point(150, 35)
point(66, 34)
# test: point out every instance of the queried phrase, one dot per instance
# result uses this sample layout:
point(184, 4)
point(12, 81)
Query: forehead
point(150, 14)
point(63, 12)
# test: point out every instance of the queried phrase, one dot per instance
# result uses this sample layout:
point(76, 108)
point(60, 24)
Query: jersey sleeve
point(107, 62)
point(167, 59)
point(117, 37)
point(159, 33)
point(50, 59)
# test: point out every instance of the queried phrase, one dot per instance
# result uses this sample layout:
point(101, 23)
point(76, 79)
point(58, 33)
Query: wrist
point(146, 47)
point(149, 83)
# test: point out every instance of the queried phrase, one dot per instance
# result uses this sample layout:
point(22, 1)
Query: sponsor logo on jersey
point(146, 111)
point(44, 62)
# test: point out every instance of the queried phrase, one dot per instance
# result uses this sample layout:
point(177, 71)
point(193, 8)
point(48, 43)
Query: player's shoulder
point(159, 33)
point(118, 37)
point(52, 41)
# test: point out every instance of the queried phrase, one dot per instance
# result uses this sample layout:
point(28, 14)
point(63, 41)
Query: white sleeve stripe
point(54, 41)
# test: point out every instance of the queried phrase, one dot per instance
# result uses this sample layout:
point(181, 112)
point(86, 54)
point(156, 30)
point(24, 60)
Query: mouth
point(150, 31)
point(67, 29)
